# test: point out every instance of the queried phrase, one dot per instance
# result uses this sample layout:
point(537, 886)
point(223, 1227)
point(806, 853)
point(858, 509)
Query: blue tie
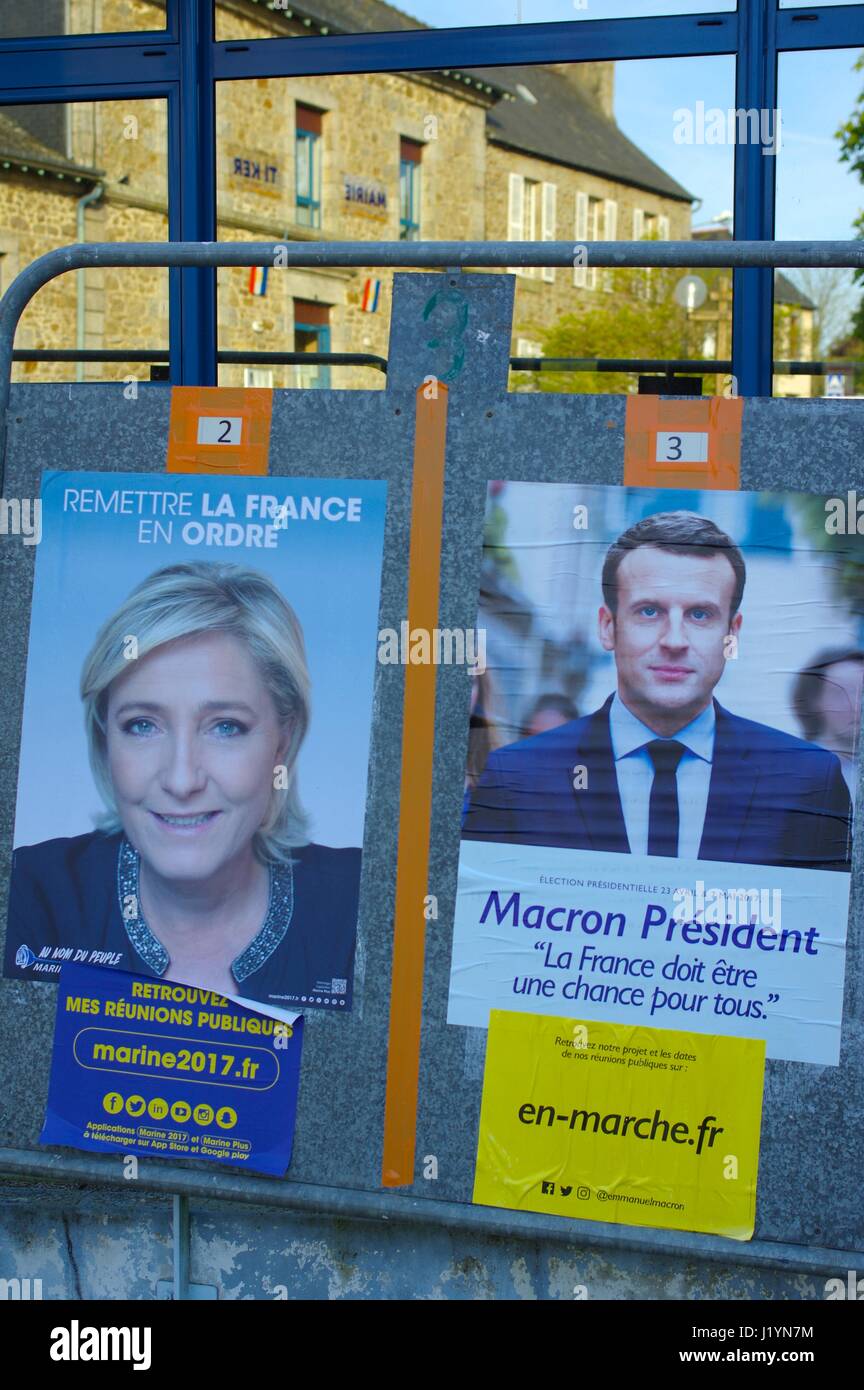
point(665, 754)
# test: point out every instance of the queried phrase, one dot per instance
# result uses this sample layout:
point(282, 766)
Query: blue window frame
point(312, 337)
point(183, 62)
point(409, 190)
point(308, 160)
point(307, 166)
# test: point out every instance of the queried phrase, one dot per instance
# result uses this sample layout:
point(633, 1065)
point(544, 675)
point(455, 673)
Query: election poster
point(142, 1066)
point(196, 731)
point(616, 1122)
point(663, 763)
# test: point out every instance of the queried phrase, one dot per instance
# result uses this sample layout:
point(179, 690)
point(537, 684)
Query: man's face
point(668, 632)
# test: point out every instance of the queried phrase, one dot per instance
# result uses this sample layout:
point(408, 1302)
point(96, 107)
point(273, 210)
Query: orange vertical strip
point(720, 417)
point(415, 796)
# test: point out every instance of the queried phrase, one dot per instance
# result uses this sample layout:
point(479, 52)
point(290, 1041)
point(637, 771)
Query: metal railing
point(418, 255)
point(162, 355)
point(697, 366)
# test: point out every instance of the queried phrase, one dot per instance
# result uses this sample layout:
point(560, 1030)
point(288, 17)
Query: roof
point(371, 17)
point(19, 147)
point(565, 126)
point(357, 16)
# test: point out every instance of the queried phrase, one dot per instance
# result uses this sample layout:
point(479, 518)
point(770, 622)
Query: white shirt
point(635, 772)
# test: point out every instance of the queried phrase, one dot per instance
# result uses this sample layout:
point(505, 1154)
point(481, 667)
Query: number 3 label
point(215, 430)
point(687, 447)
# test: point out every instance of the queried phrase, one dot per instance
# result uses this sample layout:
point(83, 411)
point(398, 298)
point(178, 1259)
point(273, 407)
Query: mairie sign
point(365, 195)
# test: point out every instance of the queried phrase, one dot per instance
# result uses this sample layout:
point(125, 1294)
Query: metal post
point(755, 183)
point(192, 142)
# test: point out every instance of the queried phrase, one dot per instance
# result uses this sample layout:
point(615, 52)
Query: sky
point(443, 14)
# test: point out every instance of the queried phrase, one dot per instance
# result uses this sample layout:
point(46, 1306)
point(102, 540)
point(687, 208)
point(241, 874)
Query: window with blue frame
point(308, 144)
point(409, 189)
point(312, 335)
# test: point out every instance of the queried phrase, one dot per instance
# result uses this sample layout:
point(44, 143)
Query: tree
point(639, 317)
point(851, 137)
point(831, 290)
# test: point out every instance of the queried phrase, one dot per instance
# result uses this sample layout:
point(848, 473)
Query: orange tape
point(415, 796)
point(719, 417)
point(236, 429)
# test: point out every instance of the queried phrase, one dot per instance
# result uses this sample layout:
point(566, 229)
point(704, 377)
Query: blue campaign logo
point(162, 1069)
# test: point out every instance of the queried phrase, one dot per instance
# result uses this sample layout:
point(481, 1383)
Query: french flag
point(258, 279)
point(371, 291)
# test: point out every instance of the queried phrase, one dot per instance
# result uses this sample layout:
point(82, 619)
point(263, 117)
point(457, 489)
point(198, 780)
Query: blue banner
point(166, 1070)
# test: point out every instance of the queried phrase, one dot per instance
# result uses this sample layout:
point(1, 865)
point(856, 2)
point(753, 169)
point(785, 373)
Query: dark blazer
point(773, 799)
point(63, 900)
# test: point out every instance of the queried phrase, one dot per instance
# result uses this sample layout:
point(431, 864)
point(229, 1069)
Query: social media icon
point(565, 1191)
point(583, 1193)
point(548, 1187)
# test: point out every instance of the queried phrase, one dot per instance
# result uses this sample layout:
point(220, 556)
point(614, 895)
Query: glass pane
point(647, 172)
point(51, 18)
point(798, 5)
point(589, 151)
point(819, 195)
point(247, 19)
point(304, 167)
point(88, 171)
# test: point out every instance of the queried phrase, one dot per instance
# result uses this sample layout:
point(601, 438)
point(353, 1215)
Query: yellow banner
point(609, 1122)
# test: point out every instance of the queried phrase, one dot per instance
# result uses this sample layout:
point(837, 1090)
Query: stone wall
point(540, 301)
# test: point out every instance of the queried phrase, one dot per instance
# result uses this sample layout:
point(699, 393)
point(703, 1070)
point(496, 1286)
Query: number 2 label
point(213, 429)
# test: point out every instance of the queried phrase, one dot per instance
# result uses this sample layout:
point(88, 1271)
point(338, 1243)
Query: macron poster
point(662, 763)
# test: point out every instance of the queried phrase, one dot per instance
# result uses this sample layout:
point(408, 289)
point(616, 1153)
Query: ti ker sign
point(250, 170)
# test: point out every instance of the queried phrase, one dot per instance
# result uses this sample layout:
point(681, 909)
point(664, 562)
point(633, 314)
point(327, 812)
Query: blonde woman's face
point(193, 738)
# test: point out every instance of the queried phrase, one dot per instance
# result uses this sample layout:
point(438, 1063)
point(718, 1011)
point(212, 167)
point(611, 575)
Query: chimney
point(596, 81)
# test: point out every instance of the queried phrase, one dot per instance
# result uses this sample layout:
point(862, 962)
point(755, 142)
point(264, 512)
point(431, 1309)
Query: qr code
point(339, 987)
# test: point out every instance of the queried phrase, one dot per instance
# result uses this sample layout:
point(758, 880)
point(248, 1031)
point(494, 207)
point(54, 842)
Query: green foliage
point(851, 137)
point(638, 317)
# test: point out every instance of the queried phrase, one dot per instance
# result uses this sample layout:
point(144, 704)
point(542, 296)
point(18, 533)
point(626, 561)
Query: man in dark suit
point(662, 768)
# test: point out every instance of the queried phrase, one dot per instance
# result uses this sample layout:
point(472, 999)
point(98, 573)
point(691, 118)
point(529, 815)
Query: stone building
point(794, 318)
point(511, 153)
